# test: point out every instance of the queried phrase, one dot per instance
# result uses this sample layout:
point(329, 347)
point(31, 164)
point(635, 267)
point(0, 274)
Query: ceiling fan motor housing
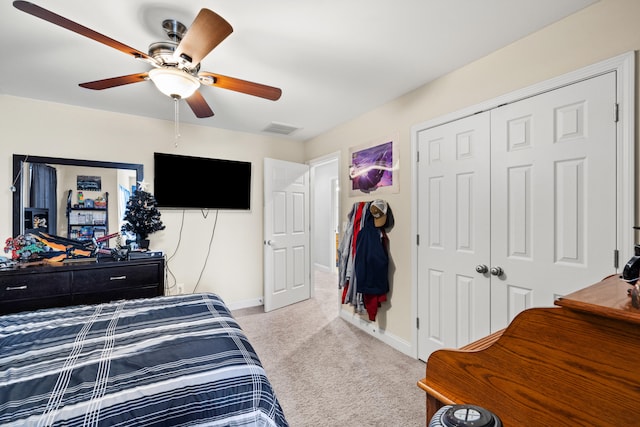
point(163, 53)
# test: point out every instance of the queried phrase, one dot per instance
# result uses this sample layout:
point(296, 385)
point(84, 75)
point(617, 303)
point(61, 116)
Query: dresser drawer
point(34, 286)
point(119, 277)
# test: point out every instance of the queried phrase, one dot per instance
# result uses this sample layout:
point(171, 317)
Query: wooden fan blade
point(250, 88)
point(63, 22)
point(205, 33)
point(115, 81)
point(199, 105)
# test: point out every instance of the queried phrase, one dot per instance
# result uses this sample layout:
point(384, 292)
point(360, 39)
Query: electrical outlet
point(179, 288)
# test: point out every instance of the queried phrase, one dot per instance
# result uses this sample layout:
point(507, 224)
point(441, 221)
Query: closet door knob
point(270, 242)
point(497, 271)
point(481, 268)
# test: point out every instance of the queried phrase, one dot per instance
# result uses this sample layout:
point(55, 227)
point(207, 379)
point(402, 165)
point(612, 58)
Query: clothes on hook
point(363, 268)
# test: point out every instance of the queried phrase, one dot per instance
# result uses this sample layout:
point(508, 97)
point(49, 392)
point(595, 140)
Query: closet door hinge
point(418, 239)
point(616, 112)
point(417, 156)
point(417, 323)
point(616, 258)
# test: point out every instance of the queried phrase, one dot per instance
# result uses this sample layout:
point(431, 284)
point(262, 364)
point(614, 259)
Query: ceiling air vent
point(281, 128)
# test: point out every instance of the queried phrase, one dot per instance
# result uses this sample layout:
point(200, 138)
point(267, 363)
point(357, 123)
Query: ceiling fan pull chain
point(176, 121)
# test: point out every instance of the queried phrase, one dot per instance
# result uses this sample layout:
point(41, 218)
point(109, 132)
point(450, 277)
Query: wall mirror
point(47, 187)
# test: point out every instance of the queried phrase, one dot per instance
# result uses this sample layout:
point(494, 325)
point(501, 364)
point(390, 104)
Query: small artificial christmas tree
point(142, 216)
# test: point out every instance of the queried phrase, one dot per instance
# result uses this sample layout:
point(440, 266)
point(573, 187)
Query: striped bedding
point(173, 360)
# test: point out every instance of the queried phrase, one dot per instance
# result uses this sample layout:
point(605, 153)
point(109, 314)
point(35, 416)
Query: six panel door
point(553, 195)
point(454, 225)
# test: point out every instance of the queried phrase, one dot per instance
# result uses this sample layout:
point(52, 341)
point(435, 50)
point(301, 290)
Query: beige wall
point(602, 31)
point(234, 268)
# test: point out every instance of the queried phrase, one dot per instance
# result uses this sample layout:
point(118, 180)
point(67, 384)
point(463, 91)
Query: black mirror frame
point(17, 176)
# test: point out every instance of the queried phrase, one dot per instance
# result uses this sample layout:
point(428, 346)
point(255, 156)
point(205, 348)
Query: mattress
point(171, 361)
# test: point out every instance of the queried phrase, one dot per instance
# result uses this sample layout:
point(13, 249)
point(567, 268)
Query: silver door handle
point(481, 268)
point(497, 271)
point(270, 242)
point(16, 288)
point(117, 278)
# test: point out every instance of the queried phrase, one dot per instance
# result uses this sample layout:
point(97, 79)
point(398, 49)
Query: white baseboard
point(237, 305)
point(324, 268)
point(372, 328)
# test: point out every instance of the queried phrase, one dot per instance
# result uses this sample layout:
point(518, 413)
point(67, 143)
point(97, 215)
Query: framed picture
point(89, 183)
point(373, 167)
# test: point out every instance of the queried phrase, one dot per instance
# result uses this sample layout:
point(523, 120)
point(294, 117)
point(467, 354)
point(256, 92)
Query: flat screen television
point(186, 182)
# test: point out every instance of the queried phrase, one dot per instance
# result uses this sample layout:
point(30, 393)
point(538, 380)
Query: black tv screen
point(186, 182)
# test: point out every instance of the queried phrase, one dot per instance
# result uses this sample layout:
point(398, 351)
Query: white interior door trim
point(624, 66)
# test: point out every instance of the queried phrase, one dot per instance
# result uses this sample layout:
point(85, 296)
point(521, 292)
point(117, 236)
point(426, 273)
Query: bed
point(171, 360)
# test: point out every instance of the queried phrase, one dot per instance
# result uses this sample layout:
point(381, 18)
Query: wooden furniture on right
point(575, 364)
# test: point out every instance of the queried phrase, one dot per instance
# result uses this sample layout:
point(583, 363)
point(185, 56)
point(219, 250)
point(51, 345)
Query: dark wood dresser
point(57, 285)
point(572, 365)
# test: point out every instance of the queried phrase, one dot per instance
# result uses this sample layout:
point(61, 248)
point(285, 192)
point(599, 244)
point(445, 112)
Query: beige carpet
point(326, 372)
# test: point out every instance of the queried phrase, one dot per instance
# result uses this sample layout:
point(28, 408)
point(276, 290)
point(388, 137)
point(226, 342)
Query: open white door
point(286, 233)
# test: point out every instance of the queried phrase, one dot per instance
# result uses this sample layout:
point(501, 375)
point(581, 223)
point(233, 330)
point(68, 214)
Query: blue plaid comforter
point(173, 360)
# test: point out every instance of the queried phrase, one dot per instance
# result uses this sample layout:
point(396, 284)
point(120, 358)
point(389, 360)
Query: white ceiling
point(333, 59)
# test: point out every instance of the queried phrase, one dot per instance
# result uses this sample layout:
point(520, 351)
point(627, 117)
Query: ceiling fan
point(176, 62)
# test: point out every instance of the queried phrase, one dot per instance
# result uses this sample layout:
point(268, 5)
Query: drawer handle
point(118, 278)
point(16, 288)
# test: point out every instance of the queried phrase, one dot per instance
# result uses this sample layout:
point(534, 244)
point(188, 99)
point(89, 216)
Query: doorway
point(325, 220)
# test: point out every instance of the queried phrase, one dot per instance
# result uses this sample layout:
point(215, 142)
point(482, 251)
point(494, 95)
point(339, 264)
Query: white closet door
point(553, 190)
point(454, 232)
point(528, 188)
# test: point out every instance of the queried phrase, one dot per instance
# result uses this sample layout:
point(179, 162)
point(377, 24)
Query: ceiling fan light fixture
point(174, 82)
